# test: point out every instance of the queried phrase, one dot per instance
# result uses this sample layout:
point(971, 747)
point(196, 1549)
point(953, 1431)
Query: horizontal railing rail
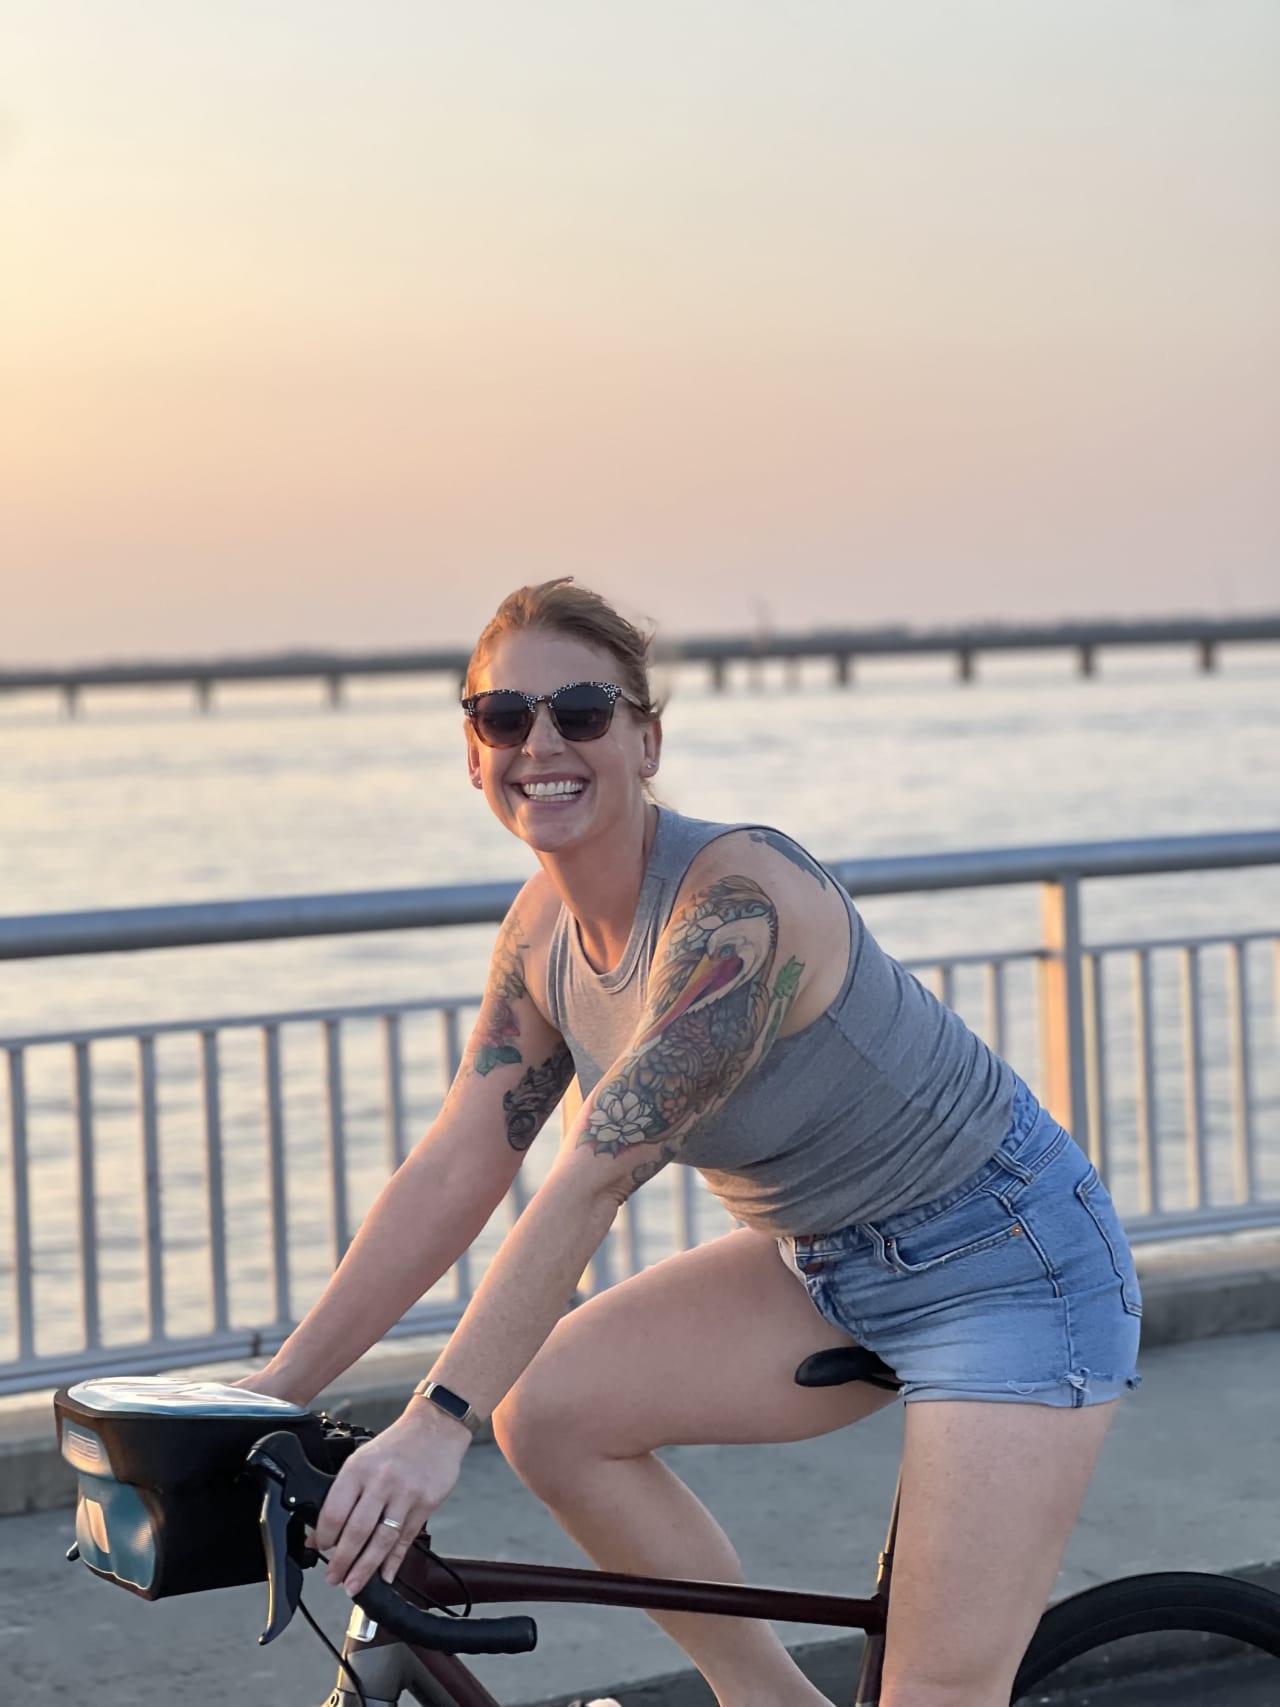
point(193, 924)
point(180, 1189)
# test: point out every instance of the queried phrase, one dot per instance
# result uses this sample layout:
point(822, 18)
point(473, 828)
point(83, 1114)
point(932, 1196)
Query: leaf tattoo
point(784, 993)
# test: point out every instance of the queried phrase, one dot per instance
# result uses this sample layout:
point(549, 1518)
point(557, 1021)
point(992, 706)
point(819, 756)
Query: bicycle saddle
point(841, 1363)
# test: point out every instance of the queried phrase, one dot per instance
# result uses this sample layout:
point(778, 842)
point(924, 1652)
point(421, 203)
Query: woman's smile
point(557, 791)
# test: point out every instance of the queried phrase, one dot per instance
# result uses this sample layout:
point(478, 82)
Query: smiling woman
point(723, 1006)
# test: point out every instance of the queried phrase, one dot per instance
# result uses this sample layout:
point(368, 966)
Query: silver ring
point(391, 1523)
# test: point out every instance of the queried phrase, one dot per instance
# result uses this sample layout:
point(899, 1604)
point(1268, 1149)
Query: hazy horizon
point(663, 633)
point(326, 327)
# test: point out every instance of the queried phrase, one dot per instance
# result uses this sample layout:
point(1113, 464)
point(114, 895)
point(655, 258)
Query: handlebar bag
point(161, 1507)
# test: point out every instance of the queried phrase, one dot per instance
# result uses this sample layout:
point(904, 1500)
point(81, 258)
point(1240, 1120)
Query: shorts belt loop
point(1018, 1169)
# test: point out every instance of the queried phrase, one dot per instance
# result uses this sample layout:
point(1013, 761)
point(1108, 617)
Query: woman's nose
point(543, 733)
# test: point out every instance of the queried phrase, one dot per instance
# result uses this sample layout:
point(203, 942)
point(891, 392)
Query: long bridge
point(1204, 636)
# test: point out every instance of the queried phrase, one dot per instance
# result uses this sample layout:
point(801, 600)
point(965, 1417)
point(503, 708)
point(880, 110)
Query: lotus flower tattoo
point(618, 1119)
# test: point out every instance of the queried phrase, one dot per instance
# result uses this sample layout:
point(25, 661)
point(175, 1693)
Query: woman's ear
point(652, 745)
point(473, 762)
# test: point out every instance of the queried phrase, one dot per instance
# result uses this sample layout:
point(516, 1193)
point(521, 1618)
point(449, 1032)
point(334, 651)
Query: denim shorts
point(1016, 1286)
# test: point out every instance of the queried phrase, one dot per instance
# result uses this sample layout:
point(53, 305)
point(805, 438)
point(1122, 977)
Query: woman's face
point(607, 775)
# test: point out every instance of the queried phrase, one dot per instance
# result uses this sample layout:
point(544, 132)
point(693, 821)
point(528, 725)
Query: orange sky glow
point(328, 326)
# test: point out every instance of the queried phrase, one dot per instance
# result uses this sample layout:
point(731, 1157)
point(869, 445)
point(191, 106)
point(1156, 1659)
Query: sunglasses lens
point(502, 719)
point(582, 712)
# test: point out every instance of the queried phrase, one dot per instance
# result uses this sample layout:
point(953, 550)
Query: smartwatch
point(444, 1399)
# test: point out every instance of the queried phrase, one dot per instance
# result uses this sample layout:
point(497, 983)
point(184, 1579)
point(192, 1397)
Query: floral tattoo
point(495, 1042)
point(712, 1012)
point(529, 1104)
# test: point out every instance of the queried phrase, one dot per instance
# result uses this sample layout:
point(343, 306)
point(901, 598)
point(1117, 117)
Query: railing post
point(1062, 1030)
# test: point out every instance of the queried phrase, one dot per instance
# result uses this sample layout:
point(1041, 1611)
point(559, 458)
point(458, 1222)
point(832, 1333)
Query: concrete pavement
point(1192, 1289)
point(1187, 1481)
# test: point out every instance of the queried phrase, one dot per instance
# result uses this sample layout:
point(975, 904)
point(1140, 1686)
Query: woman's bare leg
point(699, 1349)
point(990, 1494)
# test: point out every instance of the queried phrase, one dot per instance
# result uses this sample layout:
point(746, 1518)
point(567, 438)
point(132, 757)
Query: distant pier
point(844, 647)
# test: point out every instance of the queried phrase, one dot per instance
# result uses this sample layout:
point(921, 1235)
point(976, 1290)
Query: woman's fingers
point(360, 1525)
point(385, 1550)
point(338, 1506)
point(414, 1525)
point(404, 1475)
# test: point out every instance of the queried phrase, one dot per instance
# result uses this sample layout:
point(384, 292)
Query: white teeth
point(550, 790)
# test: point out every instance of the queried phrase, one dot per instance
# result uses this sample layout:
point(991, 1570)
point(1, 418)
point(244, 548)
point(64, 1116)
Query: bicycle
point(200, 1497)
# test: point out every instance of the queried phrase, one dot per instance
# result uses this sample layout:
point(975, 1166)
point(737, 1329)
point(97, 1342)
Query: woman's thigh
point(699, 1349)
point(990, 1494)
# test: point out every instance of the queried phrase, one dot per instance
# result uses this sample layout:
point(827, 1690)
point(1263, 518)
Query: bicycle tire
point(1164, 1601)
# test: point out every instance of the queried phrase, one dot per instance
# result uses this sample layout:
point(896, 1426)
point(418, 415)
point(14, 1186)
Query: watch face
point(448, 1401)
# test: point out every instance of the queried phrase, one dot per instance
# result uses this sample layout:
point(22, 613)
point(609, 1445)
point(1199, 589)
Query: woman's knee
point(542, 1426)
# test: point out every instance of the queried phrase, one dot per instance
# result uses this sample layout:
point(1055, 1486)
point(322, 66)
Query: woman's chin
point(555, 829)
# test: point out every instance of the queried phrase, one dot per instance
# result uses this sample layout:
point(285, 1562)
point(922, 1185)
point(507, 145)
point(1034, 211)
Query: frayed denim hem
point(1078, 1389)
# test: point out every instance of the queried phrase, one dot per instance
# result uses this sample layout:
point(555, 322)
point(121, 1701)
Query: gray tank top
point(885, 1101)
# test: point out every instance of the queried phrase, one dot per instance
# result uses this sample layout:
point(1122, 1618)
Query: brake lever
point(293, 1491)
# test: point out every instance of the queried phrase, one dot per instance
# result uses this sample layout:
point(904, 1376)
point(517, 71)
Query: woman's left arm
point(728, 969)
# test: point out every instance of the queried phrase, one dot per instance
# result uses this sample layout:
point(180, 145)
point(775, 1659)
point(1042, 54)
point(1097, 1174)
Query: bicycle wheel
point(1172, 1604)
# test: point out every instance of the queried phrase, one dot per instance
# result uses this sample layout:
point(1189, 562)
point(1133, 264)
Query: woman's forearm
point(525, 1291)
point(422, 1221)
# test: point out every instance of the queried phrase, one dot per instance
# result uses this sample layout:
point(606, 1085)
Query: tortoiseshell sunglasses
point(581, 711)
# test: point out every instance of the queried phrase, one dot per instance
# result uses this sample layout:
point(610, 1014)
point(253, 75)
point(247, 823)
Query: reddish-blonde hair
point(562, 607)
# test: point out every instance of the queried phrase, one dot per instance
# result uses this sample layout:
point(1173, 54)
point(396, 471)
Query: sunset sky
point(329, 322)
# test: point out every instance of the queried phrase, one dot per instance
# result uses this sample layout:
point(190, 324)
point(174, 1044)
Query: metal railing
point(169, 1205)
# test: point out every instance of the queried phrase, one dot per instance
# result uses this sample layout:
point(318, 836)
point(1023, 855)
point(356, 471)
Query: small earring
point(650, 765)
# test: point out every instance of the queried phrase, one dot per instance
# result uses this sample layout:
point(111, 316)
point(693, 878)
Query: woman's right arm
point(515, 1070)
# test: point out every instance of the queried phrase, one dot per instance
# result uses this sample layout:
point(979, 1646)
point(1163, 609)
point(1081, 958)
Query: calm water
point(142, 802)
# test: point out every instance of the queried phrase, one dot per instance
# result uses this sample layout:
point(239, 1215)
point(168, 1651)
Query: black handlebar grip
point(445, 1635)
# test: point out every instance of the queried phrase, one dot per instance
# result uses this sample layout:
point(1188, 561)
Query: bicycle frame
point(387, 1666)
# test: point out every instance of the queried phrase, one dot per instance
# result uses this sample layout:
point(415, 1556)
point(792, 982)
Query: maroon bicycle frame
point(486, 1581)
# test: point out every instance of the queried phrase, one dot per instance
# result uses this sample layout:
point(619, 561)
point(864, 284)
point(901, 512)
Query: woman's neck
point(600, 885)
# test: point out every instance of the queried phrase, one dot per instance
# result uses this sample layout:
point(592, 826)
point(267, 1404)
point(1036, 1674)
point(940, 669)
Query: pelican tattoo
point(710, 1014)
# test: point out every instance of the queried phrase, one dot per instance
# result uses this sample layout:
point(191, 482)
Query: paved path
point(1251, 1686)
point(1187, 1480)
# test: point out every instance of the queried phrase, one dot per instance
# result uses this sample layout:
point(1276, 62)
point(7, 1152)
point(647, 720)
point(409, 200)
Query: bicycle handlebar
point(448, 1635)
point(293, 1488)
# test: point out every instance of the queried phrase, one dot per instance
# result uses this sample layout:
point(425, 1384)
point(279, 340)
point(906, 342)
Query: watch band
point(446, 1400)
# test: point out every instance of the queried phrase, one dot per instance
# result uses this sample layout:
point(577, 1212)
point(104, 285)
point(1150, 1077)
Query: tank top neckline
point(624, 971)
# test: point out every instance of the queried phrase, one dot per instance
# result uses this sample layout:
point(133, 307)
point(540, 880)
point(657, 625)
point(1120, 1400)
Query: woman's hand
point(273, 1386)
point(404, 1474)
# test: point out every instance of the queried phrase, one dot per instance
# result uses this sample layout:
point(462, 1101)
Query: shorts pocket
point(981, 1223)
point(1097, 1200)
